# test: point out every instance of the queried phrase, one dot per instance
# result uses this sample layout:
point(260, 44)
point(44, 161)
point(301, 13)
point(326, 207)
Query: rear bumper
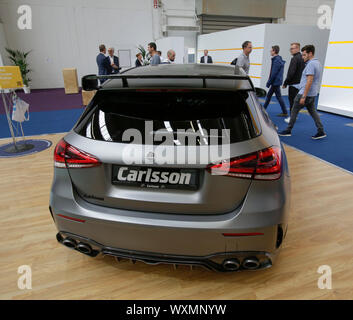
point(176, 238)
point(215, 262)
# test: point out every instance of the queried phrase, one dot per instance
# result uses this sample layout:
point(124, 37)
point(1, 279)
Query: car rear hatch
point(148, 172)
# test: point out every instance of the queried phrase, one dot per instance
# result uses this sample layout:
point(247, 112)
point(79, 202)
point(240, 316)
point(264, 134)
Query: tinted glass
point(179, 114)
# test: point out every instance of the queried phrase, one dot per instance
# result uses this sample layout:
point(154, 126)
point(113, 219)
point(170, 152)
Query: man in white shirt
point(160, 55)
point(112, 62)
point(206, 58)
point(171, 57)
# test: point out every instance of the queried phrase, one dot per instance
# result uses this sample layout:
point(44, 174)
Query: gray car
point(176, 164)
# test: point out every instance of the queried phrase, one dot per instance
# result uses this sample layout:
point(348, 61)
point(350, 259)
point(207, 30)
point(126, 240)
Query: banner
point(10, 77)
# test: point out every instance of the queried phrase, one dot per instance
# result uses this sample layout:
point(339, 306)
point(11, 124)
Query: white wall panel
point(337, 92)
point(224, 46)
point(175, 43)
point(66, 33)
point(283, 35)
point(3, 45)
point(304, 12)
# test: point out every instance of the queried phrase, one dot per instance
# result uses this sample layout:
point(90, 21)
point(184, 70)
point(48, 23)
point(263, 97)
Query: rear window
point(180, 115)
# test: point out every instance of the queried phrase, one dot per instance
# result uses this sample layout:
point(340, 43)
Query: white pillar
point(156, 22)
point(3, 44)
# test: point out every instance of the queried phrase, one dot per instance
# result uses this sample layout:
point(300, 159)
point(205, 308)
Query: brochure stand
point(10, 79)
point(14, 147)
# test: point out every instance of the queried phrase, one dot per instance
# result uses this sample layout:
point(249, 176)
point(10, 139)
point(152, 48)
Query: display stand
point(10, 80)
point(7, 97)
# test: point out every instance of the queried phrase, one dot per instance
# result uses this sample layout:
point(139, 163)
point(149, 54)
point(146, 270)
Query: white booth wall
point(175, 43)
point(283, 35)
point(304, 12)
point(224, 46)
point(66, 33)
point(336, 93)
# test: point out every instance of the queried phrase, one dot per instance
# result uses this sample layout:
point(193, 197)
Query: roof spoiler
point(90, 82)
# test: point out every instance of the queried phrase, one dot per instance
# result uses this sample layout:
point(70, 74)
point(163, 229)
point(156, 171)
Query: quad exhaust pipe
point(230, 264)
point(251, 263)
point(84, 248)
point(70, 243)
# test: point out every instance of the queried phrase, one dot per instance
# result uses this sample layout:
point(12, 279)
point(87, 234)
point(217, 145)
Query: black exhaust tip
point(231, 264)
point(251, 263)
point(84, 248)
point(70, 243)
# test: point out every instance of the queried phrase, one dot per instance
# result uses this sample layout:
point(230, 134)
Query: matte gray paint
point(173, 221)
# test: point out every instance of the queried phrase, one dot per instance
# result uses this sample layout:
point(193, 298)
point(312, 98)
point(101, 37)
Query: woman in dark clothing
point(139, 61)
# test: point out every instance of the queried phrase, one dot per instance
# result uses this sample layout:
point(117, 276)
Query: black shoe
point(319, 135)
point(285, 133)
point(283, 115)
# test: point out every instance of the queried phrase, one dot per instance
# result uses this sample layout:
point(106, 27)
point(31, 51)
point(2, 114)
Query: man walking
point(308, 90)
point(100, 61)
point(206, 58)
point(243, 60)
point(275, 80)
point(152, 49)
point(294, 74)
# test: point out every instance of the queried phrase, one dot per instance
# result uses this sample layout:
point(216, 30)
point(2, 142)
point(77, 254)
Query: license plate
point(156, 178)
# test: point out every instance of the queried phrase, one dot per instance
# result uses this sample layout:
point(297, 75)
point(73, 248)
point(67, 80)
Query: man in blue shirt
point(152, 50)
point(308, 90)
point(275, 80)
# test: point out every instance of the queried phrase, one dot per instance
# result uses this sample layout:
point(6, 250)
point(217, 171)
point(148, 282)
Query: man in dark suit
point(139, 61)
point(100, 61)
point(206, 58)
point(112, 62)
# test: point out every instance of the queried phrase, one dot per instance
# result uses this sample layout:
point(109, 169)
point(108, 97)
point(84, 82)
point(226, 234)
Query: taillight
point(269, 164)
point(65, 155)
point(261, 165)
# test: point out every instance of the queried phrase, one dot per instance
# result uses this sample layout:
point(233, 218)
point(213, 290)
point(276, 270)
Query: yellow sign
point(10, 77)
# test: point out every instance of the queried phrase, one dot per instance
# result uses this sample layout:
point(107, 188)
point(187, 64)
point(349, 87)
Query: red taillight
point(269, 164)
point(240, 167)
point(262, 165)
point(65, 155)
point(243, 234)
point(71, 218)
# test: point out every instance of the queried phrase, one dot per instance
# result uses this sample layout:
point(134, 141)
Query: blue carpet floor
point(44, 122)
point(336, 148)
